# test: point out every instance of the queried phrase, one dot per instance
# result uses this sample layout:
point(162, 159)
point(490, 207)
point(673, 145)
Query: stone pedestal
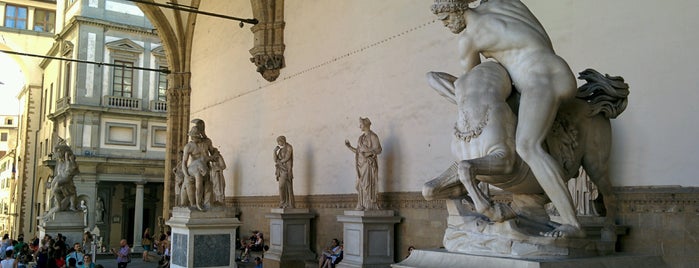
point(368, 238)
point(68, 223)
point(289, 238)
point(441, 258)
point(203, 239)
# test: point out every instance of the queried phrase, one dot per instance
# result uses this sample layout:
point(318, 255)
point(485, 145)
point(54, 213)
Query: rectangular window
point(123, 79)
point(3, 136)
point(8, 122)
point(16, 17)
point(162, 87)
point(44, 20)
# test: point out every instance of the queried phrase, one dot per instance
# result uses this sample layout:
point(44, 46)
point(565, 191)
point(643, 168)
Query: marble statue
point(284, 163)
point(506, 31)
point(218, 182)
point(180, 191)
point(366, 152)
point(83, 207)
point(99, 210)
point(197, 156)
point(584, 194)
point(62, 186)
point(484, 142)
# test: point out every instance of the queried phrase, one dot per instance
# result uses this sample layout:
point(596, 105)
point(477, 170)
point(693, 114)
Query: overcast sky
point(11, 81)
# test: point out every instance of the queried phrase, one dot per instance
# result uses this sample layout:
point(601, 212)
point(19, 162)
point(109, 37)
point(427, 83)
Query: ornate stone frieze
point(631, 200)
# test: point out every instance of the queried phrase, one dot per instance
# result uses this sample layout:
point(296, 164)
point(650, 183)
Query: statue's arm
point(288, 155)
point(470, 51)
point(221, 162)
point(349, 146)
point(376, 145)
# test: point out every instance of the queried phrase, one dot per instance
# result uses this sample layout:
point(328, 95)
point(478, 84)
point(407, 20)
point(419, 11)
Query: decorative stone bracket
point(268, 51)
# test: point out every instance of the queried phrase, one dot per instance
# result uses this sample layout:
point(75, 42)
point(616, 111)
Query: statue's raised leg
point(492, 164)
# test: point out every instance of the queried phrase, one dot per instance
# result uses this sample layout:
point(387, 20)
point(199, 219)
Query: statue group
point(522, 126)
point(199, 180)
point(62, 187)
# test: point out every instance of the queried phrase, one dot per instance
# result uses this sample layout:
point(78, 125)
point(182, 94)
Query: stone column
point(138, 218)
point(289, 238)
point(368, 238)
point(178, 94)
point(30, 18)
point(2, 11)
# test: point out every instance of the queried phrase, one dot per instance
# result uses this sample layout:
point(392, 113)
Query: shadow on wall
point(235, 178)
point(309, 175)
point(390, 157)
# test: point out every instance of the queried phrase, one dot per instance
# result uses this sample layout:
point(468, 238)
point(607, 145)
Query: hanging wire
point(191, 9)
point(99, 64)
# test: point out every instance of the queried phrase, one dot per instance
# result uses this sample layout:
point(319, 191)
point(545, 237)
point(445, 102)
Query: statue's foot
point(500, 212)
point(359, 207)
point(200, 208)
point(565, 231)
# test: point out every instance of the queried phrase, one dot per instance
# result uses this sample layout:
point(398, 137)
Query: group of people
point(256, 242)
point(45, 252)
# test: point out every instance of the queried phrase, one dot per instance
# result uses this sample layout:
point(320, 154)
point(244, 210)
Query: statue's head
point(445, 6)
point(195, 133)
point(451, 13)
point(61, 148)
point(281, 140)
point(364, 123)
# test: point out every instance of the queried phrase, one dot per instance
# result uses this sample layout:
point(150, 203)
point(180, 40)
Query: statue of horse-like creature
point(484, 143)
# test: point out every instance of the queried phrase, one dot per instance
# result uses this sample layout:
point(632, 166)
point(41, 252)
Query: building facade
point(112, 113)
point(25, 27)
point(8, 178)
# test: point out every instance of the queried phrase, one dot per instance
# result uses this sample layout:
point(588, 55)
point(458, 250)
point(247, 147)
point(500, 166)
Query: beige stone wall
point(368, 58)
point(661, 220)
point(422, 223)
point(346, 59)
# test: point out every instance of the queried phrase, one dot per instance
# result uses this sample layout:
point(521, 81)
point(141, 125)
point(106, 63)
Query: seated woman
point(331, 255)
point(258, 245)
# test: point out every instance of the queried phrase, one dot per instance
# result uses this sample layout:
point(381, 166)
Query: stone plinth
point(441, 258)
point(203, 239)
point(368, 238)
point(289, 238)
point(68, 223)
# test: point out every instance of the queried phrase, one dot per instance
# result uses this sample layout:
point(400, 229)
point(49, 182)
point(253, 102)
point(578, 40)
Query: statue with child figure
point(200, 183)
point(522, 126)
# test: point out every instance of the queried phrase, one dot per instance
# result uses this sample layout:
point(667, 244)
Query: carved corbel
point(268, 50)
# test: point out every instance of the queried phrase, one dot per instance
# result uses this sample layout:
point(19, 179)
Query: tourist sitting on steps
point(331, 255)
point(257, 245)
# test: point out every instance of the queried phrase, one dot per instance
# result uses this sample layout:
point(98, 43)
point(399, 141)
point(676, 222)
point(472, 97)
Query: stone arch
point(25, 66)
point(176, 32)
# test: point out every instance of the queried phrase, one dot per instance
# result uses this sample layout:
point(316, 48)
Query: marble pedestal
point(68, 223)
point(203, 239)
point(289, 238)
point(368, 238)
point(441, 258)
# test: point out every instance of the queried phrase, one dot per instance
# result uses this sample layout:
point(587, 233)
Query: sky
point(11, 82)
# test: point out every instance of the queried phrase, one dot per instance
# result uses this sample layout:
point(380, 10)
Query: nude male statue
point(196, 171)
point(505, 30)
